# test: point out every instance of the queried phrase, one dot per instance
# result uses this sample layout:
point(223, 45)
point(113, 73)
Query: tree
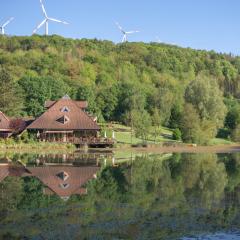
point(177, 135)
point(236, 134)
point(206, 97)
point(40, 89)
point(11, 97)
point(190, 124)
point(86, 93)
point(141, 123)
point(233, 117)
point(156, 121)
point(175, 117)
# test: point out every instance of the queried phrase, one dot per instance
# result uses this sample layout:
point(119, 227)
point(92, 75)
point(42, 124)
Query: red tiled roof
point(78, 119)
point(4, 122)
point(80, 104)
point(18, 125)
point(78, 176)
point(4, 172)
point(13, 171)
point(13, 125)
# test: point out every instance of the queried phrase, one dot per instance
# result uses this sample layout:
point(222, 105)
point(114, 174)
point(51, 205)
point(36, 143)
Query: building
point(67, 121)
point(10, 127)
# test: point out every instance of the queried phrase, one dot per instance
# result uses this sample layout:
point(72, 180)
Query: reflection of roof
point(73, 184)
point(11, 170)
point(3, 172)
point(56, 118)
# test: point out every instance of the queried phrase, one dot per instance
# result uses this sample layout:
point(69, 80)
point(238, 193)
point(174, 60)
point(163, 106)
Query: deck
point(90, 142)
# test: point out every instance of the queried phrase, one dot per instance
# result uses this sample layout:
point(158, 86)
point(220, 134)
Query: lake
point(105, 195)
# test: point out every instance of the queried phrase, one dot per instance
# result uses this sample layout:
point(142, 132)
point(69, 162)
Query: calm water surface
point(104, 196)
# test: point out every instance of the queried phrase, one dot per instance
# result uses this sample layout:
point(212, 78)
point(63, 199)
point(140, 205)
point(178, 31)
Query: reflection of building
point(61, 180)
point(9, 127)
point(7, 169)
point(64, 180)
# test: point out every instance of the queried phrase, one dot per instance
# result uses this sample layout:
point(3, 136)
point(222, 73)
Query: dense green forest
point(139, 84)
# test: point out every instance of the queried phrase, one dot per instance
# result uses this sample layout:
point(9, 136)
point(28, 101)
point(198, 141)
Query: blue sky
point(199, 24)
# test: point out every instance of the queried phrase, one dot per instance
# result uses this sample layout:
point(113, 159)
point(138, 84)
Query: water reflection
point(167, 196)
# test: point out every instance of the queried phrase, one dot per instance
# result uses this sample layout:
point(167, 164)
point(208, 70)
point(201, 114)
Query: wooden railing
point(82, 140)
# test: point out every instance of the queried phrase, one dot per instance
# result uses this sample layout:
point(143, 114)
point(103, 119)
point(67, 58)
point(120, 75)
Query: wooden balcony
point(81, 141)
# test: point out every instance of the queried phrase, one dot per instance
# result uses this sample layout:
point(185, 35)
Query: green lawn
point(123, 135)
point(220, 141)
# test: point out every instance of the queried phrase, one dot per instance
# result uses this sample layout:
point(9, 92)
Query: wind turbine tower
point(125, 33)
point(46, 20)
point(2, 28)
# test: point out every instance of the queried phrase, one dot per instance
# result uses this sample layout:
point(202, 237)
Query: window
point(64, 185)
point(63, 176)
point(64, 119)
point(65, 109)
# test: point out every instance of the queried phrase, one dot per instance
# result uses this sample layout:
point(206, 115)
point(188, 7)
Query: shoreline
point(190, 149)
point(56, 148)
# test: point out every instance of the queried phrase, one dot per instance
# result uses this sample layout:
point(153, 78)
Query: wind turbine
point(5, 24)
point(46, 20)
point(158, 39)
point(125, 33)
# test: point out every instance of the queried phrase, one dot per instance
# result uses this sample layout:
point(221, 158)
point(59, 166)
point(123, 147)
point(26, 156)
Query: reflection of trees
point(151, 197)
point(204, 178)
point(11, 192)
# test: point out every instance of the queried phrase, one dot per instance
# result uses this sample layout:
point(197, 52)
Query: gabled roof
point(13, 171)
point(80, 104)
point(4, 172)
point(4, 122)
point(77, 118)
point(73, 184)
point(15, 125)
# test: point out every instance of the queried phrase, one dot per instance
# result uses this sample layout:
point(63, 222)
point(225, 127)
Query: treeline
point(139, 84)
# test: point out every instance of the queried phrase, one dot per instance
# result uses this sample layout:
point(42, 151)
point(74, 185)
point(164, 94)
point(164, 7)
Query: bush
point(177, 134)
point(223, 133)
point(235, 136)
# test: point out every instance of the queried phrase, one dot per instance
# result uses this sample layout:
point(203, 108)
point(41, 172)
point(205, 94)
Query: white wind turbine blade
point(43, 9)
point(7, 22)
point(130, 32)
point(40, 25)
point(56, 20)
point(119, 27)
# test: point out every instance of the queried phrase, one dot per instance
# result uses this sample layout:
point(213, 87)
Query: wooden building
point(10, 127)
point(67, 121)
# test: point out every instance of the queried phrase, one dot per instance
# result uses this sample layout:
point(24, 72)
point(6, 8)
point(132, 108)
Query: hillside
point(121, 80)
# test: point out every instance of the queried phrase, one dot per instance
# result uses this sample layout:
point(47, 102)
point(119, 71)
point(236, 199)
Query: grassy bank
point(11, 145)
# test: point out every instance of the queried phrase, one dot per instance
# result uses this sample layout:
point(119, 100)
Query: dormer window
point(65, 109)
point(64, 185)
point(64, 119)
point(63, 175)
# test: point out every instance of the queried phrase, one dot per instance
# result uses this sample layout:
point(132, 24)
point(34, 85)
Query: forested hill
point(119, 80)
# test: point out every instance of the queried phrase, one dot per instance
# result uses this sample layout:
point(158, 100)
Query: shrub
point(235, 136)
point(177, 134)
